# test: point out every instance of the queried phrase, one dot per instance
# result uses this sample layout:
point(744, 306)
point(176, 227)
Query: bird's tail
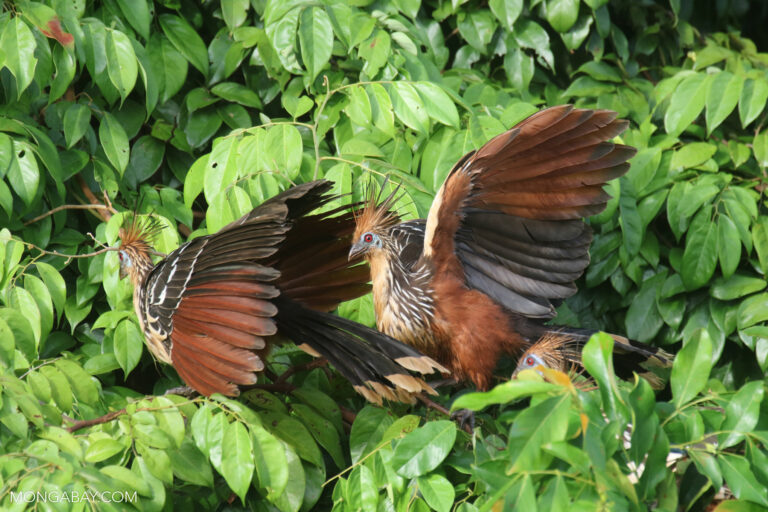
point(628, 356)
point(377, 366)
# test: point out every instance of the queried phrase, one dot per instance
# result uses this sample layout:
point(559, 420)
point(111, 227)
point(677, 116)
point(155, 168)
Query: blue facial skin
point(365, 243)
point(125, 263)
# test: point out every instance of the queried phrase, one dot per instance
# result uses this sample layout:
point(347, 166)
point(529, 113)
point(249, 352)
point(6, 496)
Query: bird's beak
point(123, 273)
point(356, 251)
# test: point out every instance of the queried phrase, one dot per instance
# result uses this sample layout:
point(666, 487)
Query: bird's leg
point(182, 391)
point(459, 416)
point(450, 381)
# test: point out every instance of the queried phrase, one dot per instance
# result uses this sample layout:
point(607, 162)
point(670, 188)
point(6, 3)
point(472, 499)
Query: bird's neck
point(381, 281)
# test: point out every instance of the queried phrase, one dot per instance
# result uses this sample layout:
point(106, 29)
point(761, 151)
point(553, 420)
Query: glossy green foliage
point(199, 111)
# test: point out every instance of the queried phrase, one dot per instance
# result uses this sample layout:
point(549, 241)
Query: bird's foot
point(465, 419)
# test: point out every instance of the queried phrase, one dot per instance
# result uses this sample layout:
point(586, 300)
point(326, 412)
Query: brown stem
point(316, 363)
point(80, 424)
point(94, 200)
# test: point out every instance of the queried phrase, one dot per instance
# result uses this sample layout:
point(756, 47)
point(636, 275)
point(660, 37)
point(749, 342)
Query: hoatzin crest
point(213, 307)
point(502, 245)
point(561, 350)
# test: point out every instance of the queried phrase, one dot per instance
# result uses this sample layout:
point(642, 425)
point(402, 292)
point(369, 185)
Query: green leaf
point(693, 154)
point(424, 449)
point(408, 106)
point(728, 245)
point(55, 283)
point(22, 331)
point(632, 228)
point(643, 319)
point(760, 241)
point(752, 101)
point(138, 15)
point(374, 52)
point(753, 310)
point(686, 103)
point(24, 173)
point(102, 449)
point(477, 27)
point(122, 65)
point(234, 12)
point(186, 40)
point(738, 285)
point(84, 387)
point(114, 142)
point(77, 118)
point(322, 430)
point(316, 40)
point(598, 361)
point(128, 345)
point(562, 14)
point(740, 477)
point(691, 367)
point(367, 430)
point(438, 104)
point(271, 462)
point(237, 93)
point(502, 394)
point(438, 492)
point(146, 156)
point(723, 95)
point(18, 52)
point(129, 478)
point(61, 391)
point(167, 65)
point(237, 458)
point(506, 11)
point(700, 256)
point(220, 169)
point(741, 414)
point(284, 150)
point(190, 465)
point(361, 489)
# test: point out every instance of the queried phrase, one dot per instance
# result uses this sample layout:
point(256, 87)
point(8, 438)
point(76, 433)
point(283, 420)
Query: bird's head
point(135, 250)
point(372, 223)
point(529, 361)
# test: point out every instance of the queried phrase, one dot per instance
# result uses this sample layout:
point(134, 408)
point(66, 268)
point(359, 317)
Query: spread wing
point(508, 219)
point(215, 302)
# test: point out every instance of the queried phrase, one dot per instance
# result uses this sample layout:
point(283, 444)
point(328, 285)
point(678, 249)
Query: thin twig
point(80, 424)
point(315, 363)
point(68, 256)
point(68, 207)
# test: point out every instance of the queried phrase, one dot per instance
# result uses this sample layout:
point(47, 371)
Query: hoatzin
point(561, 350)
point(502, 245)
point(213, 307)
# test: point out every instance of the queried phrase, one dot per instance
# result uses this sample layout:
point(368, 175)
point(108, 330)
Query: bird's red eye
point(529, 361)
point(368, 238)
point(120, 255)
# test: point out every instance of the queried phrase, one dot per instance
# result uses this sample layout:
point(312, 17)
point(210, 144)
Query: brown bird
point(502, 245)
point(561, 350)
point(213, 307)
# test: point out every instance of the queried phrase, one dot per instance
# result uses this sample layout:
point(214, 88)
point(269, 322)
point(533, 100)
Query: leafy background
point(204, 109)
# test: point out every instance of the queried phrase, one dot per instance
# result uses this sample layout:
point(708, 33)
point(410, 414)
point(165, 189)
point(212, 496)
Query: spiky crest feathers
point(139, 233)
point(377, 214)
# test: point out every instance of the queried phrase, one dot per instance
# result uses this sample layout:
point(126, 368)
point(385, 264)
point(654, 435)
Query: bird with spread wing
point(502, 245)
point(213, 307)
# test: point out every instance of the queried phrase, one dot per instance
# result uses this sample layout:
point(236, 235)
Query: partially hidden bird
point(502, 245)
point(213, 307)
point(561, 350)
